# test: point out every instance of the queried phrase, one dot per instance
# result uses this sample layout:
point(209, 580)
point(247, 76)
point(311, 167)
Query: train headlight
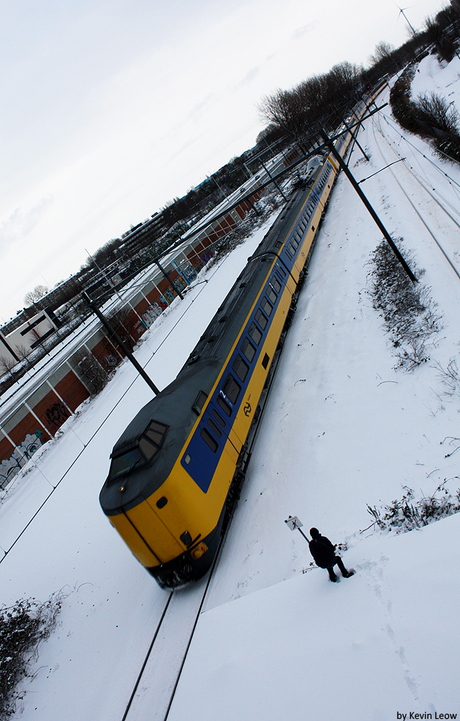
point(199, 551)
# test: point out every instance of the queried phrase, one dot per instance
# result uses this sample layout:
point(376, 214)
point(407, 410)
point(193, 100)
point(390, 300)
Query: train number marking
point(247, 409)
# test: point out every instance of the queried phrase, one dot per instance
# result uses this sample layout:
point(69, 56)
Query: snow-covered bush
point(22, 627)
point(95, 376)
point(431, 116)
point(408, 312)
point(406, 514)
point(450, 377)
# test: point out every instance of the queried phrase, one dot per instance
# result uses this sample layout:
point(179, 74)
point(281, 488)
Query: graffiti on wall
point(57, 414)
point(206, 257)
point(151, 314)
point(19, 457)
point(167, 297)
point(111, 361)
point(187, 272)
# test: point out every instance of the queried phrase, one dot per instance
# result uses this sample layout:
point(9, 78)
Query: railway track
point(153, 692)
point(450, 215)
point(155, 687)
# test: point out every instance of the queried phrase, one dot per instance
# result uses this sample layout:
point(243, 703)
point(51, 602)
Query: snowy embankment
point(342, 429)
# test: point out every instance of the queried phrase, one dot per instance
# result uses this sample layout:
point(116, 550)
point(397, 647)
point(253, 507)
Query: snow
point(342, 430)
point(308, 648)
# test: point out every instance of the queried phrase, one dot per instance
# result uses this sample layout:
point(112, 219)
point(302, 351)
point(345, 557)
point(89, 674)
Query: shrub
point(22, 627)
point(450, 377)
point(431, 116)
point(406, 514)
point(95, 376)
point(408, 312)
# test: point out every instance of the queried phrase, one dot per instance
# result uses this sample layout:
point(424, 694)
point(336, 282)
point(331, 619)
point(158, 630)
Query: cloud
point(250, 76)
point(21, 223)
point(200, 109)
point(304, 30)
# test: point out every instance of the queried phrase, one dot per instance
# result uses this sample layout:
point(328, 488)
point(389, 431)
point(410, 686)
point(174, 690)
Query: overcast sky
point(111, 108)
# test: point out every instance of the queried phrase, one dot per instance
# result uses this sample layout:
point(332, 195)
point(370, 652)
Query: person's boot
point(343, 570)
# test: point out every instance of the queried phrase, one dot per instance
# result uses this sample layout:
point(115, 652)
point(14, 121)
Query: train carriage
point(172, 468)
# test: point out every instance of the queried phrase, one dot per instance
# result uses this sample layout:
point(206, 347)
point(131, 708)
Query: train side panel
point(176, 525)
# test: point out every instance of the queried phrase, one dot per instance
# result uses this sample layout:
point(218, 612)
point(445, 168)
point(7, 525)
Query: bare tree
point(312, 101)
point(383, 51)
point(284, 109)
point(7, 367)
point(35, 295)
point(23, 354)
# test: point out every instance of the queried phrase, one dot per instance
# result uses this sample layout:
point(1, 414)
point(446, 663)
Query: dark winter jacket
point(322, 551)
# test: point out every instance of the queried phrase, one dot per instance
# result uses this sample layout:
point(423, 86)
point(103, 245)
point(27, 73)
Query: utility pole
point(120, 342)
point(166, 275)
point(328, 142)
point(274, 181)
point(354, 136)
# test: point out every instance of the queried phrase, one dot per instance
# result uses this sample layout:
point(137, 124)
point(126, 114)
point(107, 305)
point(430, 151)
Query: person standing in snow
point(324, 554)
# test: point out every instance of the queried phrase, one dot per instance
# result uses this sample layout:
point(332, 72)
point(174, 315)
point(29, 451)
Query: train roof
point(177, 407)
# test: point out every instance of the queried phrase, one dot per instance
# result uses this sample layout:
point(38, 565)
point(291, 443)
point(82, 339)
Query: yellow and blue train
point(172, 468)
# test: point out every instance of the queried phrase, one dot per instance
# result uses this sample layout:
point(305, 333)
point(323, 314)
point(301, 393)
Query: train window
point(214, 428)
point(125, 463)
point(271, 295)
point(199, 402)
point(261, 319)
point(240, 368)
point(266, 306)
point(231, 388)
point(295, 243)
point(207, 437)
point(275, 284)
point(280, 270)
point(248, 350)
point(156, 432)
point(255, 333)
point(292, 248)
point(224, 405)
point(148, 448)
point(217, 417)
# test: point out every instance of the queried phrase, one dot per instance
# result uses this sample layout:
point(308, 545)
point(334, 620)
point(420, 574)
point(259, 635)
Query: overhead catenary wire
point(105, 419)
point(449, 261)
point(442, 172)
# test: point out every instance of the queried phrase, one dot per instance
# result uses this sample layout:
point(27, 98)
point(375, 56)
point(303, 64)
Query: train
point(174, 468)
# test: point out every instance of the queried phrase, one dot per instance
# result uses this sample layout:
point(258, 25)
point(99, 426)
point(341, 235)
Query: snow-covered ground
point(342, 430)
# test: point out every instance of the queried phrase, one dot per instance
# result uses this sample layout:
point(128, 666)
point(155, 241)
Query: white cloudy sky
point(110, 108)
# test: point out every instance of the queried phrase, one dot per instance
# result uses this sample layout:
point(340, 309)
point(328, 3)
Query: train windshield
point(125, 463)
point(149, 444)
